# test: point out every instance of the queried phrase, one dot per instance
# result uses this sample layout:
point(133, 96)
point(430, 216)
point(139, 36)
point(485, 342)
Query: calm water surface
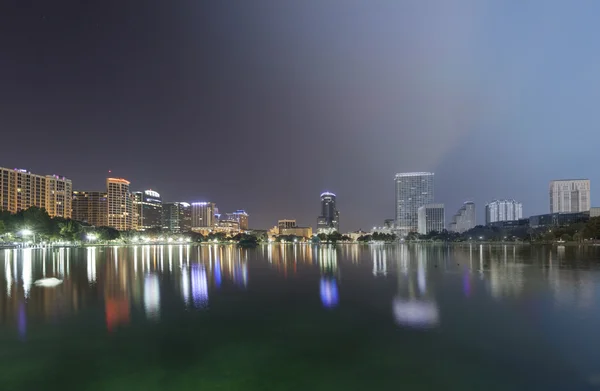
point(301, 317)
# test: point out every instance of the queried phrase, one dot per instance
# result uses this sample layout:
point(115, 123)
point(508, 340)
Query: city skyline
point(82, 201)
point(251, 81)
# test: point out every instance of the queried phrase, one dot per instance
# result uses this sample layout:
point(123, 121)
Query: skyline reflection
point(126, 281)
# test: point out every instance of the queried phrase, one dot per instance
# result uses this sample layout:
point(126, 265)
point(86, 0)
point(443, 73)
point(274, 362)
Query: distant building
point(286, 223)
point(177, 216)
point(431, 217)
point(503, 210)
point(20, 190)
point(147, 209)
point(388, 223)
point(91, 207)
point(305, 232)
point(329, 220)
point(465, 219)
point(356, 234)
point(569, 196)
point(413, 190)
point(120, 204)
point(203, 215)
point(240, 216)
point(227, 226)
point(594, 211)
point(558, 219)
point(510, 224)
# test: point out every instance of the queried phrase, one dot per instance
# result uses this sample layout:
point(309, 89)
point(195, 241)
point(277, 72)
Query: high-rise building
point(90, 207)
point(329, 220)
point(569, 196)
point(177, 216)
point(119, 205)
point(465, 219)
point(413, 190)
point(147, 207)
point(240, 216)
point(286, 223)
point(503, 210)
point(431, 217)
point(203, 215)
point(20, 190)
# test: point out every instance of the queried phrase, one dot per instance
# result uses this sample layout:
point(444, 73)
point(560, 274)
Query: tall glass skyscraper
point(329, 220)
point(413, 190)
point(148, 209)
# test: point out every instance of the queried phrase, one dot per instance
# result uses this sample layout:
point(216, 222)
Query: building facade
point(147, 207)
point(240, 216)
point(90, 207)
point(503, 210)
point(594, 211)
point(203, 215)
point(177, 216)
point(20, 190)
point(305, 232)
point(558, 219)
point(119, 204)
point(329, 220)
point(286, 223)
point(569, 196)
point(465, 219)
point(431, 217)
point(413, 190)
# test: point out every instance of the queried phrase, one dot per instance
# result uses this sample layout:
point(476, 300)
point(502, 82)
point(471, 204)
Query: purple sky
point(262, 105)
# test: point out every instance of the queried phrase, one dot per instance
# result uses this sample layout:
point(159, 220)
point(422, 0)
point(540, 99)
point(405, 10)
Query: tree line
point(576, 232)
point(37, 222)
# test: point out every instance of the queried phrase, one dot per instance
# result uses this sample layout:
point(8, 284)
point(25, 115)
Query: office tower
point(119, 205)
point(569, 196)
point(286, 223)
point(147, 209)
point(431, 217)
point(329, 220)
point(177, 216)
point(20, 190)
point(240, 216)
point(503, 210)
point(465, 219)
point(413, 190)
point(90, 207)
point(203, 215)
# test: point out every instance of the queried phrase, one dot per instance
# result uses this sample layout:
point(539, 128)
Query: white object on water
point(48, 282)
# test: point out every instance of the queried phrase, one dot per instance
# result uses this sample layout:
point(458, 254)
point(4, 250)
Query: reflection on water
point(501, 302)
point(130, 278)
point(414, 306)
point(127, 279)
point(329, 292)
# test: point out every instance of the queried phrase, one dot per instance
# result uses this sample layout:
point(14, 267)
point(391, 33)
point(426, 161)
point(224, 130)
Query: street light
point(91, 237)
point(28, 232)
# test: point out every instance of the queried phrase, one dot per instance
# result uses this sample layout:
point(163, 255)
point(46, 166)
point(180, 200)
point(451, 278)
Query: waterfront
point(300, 316)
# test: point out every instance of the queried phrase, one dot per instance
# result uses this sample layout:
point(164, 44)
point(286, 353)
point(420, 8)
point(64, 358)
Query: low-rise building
point(305, 232)
point(558, 219)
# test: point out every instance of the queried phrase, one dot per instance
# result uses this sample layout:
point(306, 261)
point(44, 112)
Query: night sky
point(262, 105)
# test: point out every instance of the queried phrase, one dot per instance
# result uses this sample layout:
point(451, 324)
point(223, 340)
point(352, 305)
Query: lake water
point(301, 317)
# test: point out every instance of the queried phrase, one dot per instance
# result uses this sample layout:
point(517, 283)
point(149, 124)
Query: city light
point(26, 232)
point(91, 237)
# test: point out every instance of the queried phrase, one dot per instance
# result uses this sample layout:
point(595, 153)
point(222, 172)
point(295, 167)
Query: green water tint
point(300, 317)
